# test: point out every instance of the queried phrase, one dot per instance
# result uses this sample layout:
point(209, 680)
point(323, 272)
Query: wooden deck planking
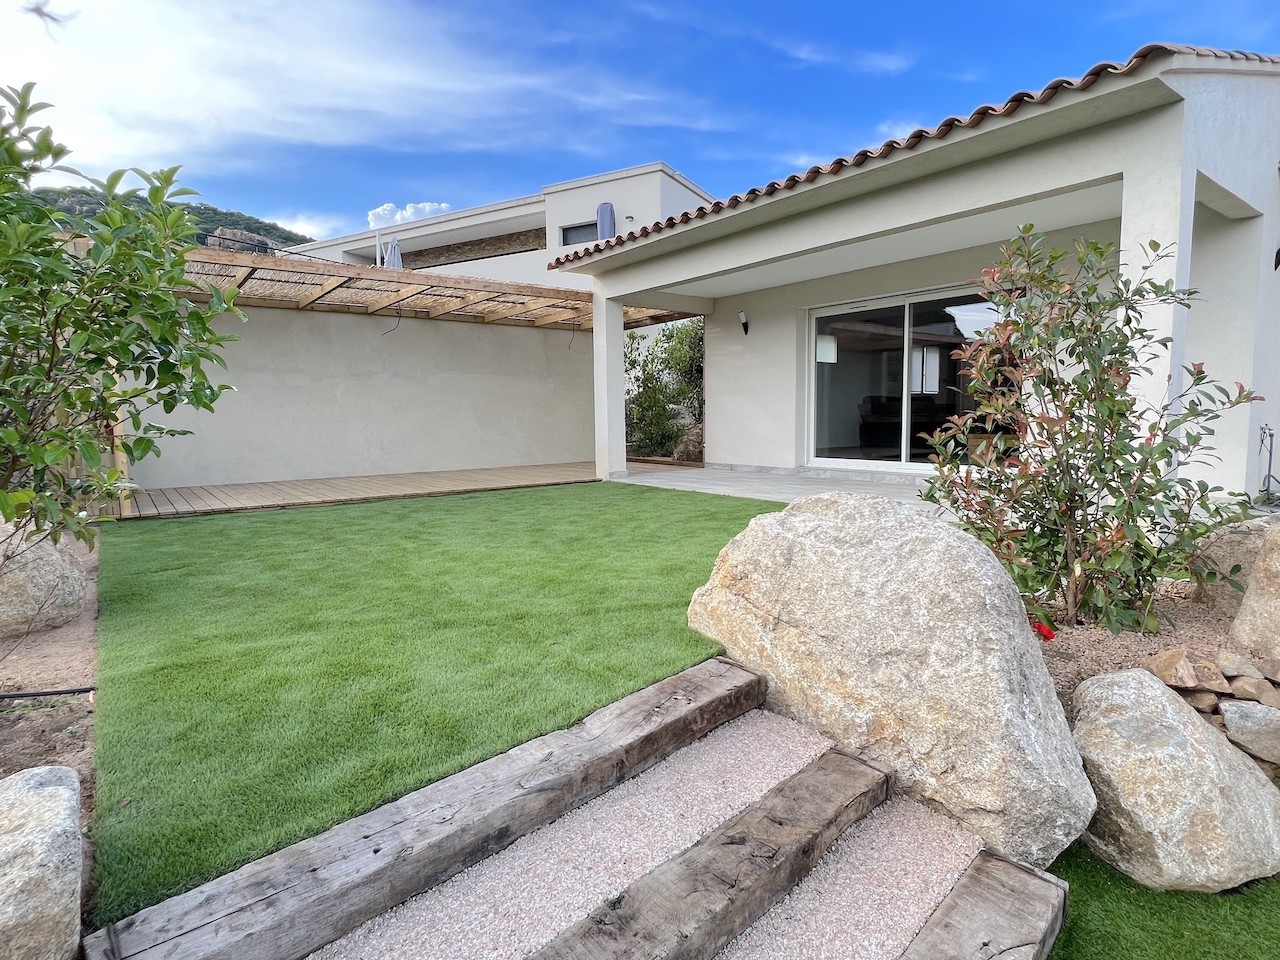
point(233, 497)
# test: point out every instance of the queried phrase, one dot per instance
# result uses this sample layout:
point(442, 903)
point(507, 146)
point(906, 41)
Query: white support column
point(1159, 204)
point(610, 388)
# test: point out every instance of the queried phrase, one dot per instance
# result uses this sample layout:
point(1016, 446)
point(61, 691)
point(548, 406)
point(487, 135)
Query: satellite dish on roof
point(606, 223)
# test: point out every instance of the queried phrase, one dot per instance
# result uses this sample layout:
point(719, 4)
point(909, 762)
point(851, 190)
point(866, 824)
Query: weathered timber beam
point(695, 903)
point(998, 908)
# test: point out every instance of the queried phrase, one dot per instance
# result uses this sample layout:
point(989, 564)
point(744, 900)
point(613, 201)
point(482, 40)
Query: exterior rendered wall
point(1220, 334)
point(635, 196)
point(328, 395)
point(758, 385)
point(1233, 137)
point(528, 267)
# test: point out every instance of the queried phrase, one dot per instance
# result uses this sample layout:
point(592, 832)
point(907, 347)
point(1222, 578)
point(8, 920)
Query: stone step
point(290, 903)
point(695, 903)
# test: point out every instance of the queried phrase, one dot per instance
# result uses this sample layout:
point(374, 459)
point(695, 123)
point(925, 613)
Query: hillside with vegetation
point(208, 218)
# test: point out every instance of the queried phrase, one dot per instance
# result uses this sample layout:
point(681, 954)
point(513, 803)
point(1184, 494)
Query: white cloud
point(321, 226)
point(389, 214)
point(898, 128)
point(882, 62)
point(803, 161)
point(152, 83)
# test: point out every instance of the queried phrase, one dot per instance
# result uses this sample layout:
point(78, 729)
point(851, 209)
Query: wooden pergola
point(296, 283)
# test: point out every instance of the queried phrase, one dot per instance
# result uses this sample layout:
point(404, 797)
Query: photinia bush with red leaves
point(1061, 466)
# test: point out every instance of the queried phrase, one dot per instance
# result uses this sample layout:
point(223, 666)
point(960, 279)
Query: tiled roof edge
point(974, 119)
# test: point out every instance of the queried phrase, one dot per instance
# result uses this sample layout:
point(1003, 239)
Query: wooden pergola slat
point(560, 316)
point(277, 279)
point(461, 304)
point(518, 308)
point(391, 299)
point(330, 285)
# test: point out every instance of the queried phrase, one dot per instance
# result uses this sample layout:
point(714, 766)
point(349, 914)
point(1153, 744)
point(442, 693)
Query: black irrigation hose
point(46, 693)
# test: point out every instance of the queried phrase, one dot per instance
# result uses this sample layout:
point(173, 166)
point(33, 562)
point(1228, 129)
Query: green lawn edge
point(266, 675)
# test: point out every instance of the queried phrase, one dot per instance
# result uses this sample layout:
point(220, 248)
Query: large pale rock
point(902, 636)
point(1254, 727)
point(1179, 808)
point(40, 863)
point(1257, 625)
point(1237, 544)
point(39, 587)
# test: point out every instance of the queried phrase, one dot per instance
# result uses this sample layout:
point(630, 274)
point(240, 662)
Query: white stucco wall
point(1232, 135)
point(758, 385)
point(527, 267)
point(327, 395)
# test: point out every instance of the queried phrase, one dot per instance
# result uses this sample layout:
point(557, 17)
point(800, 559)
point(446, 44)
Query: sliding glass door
point(884, 375)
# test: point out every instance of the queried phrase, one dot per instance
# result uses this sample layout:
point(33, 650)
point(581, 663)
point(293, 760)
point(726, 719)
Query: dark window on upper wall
point(576, 236)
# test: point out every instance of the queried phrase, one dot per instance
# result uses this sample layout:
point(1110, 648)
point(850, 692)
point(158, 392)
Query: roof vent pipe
point(606, 223)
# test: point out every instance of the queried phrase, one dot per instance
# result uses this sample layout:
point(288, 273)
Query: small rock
point(1270, 668)
point(1173, 668)
point(1209, 677)
point(40, 863)
point(1179, 808)
point(1233, 664)
point(1202, 700)
point(1254, 727)
point(39, 587)
point(1249, 688)
point(1257, 625)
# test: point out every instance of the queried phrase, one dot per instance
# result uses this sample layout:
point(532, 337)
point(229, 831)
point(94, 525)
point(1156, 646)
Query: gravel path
point(509, 905)
point(870, 894)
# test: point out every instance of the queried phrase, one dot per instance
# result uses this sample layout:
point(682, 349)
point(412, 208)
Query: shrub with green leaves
point(1062, 467)
point(96, 331)
point(664, 379)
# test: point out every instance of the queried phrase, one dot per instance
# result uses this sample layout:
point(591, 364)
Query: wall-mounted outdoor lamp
point(742, 315)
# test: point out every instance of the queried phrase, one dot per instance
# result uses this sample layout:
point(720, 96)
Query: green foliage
point(300, 691)
point(664, 381)
point(1062, 468)
point(205, 217)
point(95, 335)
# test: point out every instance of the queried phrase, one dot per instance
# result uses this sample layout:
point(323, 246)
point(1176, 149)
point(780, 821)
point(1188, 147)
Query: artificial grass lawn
point(264, 676)
point(1109, 916)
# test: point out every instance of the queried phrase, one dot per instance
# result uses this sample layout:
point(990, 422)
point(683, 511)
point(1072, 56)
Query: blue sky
point(314, 113)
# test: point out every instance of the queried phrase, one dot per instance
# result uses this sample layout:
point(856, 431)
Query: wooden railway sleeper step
point(692, 905)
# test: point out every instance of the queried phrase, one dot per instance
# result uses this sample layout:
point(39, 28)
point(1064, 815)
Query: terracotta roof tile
point(974, 119)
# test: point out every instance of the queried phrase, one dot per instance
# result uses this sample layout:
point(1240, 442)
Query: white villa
point(832, 298)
